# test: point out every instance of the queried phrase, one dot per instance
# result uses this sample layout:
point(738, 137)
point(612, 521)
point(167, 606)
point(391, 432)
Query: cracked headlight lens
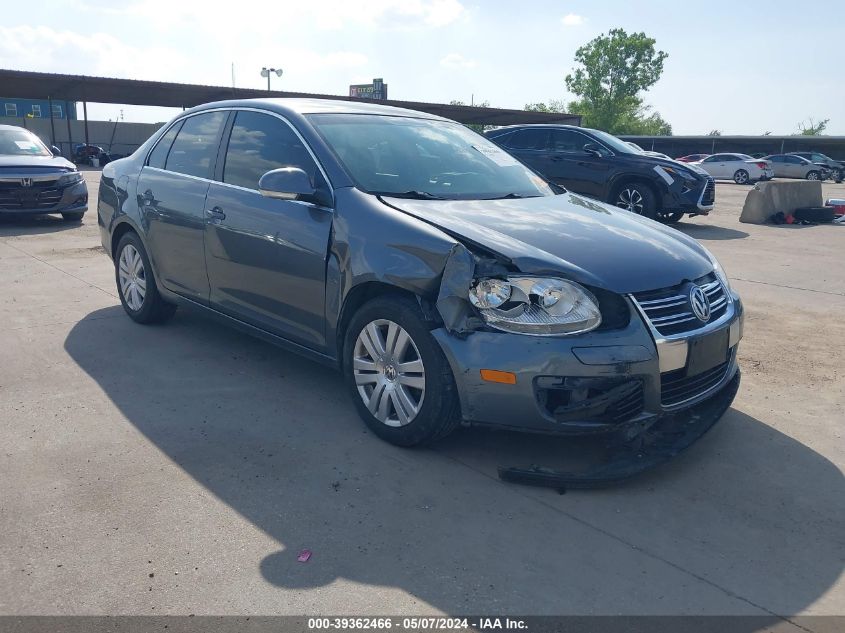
point(489, 293)
point(540, 306)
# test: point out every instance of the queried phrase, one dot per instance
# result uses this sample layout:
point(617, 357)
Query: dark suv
point(597, 164)
point(837, 169)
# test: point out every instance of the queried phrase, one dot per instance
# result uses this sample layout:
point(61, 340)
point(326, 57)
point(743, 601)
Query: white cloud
point(456, 60)
point(266, 16)
point(573, 19)
point(61, 51)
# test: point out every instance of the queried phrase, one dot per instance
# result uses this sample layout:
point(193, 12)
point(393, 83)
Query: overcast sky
point(741, 67)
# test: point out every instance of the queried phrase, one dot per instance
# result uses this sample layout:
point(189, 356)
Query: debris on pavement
point(304, 555)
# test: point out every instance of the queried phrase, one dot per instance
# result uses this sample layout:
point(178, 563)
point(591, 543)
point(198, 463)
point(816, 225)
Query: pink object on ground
point(304, 555)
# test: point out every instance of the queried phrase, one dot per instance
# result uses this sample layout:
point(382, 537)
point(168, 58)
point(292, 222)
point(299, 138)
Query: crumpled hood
point(43, 162)
point(590, 242)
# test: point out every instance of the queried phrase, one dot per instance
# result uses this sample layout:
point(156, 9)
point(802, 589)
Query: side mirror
point(56, 151)
point(592, 149)
point(289, 183)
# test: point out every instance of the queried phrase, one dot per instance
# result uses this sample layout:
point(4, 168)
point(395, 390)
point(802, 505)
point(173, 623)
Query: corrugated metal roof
point(33, 85)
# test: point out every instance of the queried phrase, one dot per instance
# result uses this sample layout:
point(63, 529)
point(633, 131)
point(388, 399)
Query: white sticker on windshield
point(498, 156)
point(26, 145)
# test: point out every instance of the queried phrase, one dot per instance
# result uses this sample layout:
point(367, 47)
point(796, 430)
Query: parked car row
point(807, 165)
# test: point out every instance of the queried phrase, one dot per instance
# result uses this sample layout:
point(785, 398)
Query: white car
point(741, 168)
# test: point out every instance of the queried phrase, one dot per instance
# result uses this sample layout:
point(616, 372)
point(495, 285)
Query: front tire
point(73, 216)
point(741, 177)
point(136, 284)
point(397, 374)
point(636, 198)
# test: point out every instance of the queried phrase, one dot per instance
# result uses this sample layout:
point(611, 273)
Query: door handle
point(216, 213)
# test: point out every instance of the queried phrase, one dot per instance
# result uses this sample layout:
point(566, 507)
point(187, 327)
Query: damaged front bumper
point(599, 382)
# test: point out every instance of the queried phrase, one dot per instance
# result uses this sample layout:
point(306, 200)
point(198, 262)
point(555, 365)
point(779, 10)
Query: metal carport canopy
point(32, 85)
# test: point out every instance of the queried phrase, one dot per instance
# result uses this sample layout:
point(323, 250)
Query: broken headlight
point(541, 306)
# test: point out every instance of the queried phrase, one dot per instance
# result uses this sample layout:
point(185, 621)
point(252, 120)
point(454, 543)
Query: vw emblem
point(700, 304)
point(26, 182)
point(390, 372)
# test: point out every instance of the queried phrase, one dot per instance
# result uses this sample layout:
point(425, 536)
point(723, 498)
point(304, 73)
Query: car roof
point(510, 128)
point(12, 127)
point(289, 106)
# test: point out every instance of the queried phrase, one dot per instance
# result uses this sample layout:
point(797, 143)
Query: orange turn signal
point(494, 375)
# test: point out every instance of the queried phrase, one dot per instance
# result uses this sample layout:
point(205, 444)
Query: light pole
point(266, 72)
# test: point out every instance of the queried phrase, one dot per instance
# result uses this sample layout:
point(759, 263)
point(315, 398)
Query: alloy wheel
point(741, 177)
point(133, 279)
point(813, 175)
point(389, 372)
point(630, 199)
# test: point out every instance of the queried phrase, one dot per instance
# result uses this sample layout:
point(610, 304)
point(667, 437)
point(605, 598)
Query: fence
point(120, 138)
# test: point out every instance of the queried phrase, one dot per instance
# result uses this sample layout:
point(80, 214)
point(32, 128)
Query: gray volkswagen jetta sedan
point(34, 182)
point(447, 281)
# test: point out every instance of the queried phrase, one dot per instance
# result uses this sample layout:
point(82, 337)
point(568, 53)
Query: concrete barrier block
point(767, 198)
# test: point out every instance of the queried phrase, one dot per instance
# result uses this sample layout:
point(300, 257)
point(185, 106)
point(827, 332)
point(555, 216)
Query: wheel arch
point(627, 179)
point(121, 228)
point(356, 297)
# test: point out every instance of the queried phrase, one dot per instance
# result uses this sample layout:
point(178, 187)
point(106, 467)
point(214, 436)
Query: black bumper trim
point(670, 435)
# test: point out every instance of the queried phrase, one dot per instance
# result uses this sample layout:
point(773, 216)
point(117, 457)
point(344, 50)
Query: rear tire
point(741, 177)
point(136, 285)
point(670, 217)
point(73, 216)
point(635, 197)
point(403, 389)
point(813, 175)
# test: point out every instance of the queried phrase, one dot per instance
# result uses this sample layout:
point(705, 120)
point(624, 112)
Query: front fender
point(373, 242)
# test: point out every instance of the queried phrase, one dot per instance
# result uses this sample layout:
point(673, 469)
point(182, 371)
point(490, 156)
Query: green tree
point(612, 70)
point(555, 105)
point(813, 128)
point(478, 127)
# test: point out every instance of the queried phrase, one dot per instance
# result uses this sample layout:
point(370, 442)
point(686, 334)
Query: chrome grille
point(676, 387)
point(29, 198)
point(669, 310)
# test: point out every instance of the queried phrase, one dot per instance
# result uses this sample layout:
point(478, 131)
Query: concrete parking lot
point(180, 469)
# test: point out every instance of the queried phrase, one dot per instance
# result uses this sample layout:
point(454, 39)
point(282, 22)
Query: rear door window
point(194, 151)
point(158, 157)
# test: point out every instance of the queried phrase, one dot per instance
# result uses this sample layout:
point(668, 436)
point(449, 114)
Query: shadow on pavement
point(748, 521)
point(25, 224)
point(709, 231)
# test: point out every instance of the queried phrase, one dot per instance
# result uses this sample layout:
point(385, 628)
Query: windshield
point(617, 145)
point(424, 158)
point(18, 142)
